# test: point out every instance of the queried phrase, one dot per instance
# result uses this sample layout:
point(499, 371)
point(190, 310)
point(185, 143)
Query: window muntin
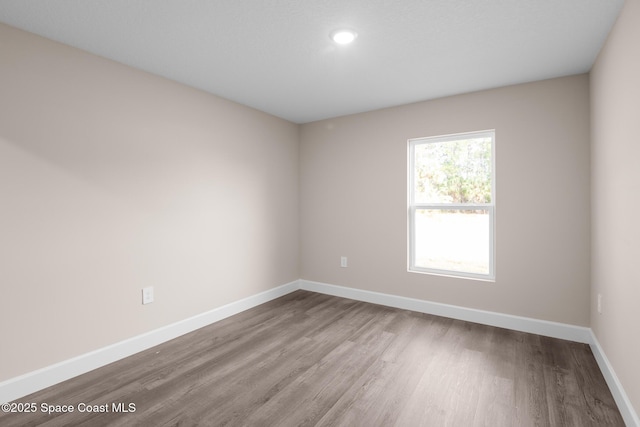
point(451, 205)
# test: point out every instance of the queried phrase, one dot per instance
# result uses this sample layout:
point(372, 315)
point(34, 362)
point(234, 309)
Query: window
point(452, 205)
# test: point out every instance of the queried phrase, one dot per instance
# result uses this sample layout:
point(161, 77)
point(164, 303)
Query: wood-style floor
point(309, 359)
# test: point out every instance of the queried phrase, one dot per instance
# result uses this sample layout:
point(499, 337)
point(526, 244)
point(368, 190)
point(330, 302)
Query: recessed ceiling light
point(343, 36)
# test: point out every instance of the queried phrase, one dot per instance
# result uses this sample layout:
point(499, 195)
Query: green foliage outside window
point(454, 172)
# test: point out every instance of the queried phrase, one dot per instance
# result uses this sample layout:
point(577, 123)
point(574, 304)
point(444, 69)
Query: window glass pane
point(452, 239)
point(457, 171)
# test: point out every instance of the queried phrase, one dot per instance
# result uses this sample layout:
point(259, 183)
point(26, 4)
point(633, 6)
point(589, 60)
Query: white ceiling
point(276, 55)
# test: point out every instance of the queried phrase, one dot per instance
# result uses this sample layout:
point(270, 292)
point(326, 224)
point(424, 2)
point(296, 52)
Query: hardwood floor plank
point(309, 359)
point(563, 397)
point(378, 397)
point(497, 392)
point(495, 403)
point(598, 404)
point(530, 389)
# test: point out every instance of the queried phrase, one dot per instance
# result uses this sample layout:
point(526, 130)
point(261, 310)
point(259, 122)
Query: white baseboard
point(622, 400)
point(523, 324)
point(31, 382)
point(507, 321)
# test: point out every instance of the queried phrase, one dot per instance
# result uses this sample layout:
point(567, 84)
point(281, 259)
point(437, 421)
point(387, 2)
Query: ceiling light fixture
point(343, 36)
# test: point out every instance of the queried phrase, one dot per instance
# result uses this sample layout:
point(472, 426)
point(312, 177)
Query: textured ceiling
point(276, 55)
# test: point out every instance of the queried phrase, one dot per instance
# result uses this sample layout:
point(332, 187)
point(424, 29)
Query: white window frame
point(413, 206)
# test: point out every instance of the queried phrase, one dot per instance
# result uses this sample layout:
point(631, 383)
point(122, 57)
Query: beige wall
point(353, 199)
point(111, 180)
point(615, 118)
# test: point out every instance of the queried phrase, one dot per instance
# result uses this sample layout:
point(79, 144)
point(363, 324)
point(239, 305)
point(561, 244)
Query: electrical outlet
point(599, 303)
point(147, 295)
point(343, 261)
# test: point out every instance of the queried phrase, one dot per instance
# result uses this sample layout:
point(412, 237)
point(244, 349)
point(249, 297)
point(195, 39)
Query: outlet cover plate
point(147, 295)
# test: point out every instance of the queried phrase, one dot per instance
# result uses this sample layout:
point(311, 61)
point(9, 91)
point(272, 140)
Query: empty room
point(319, 213)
